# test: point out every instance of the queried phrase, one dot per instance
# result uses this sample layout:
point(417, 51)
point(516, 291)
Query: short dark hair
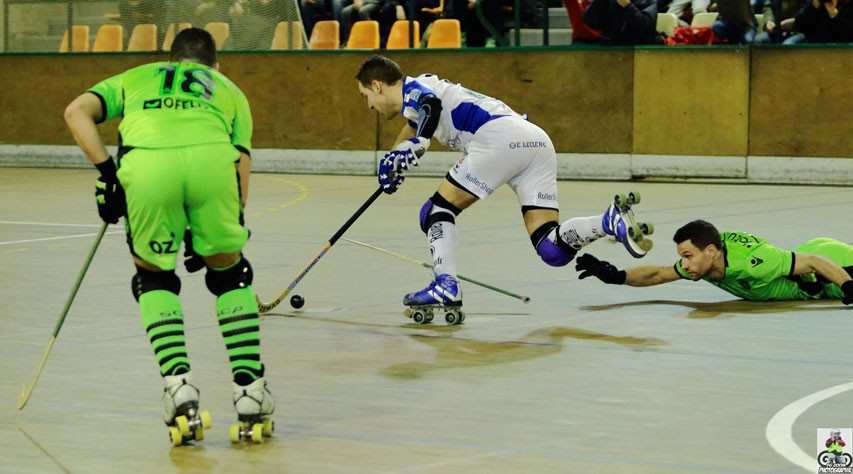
point(700, 233)
point(195, 44)
point(379, 68)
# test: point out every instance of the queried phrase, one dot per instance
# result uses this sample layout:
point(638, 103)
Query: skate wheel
point(258, 433)
point(635, 234)
point(234, 433)
point(461, 317)
point(198, 434)
point(183, 425)
point(620, 200)
point(175, 436)
point(206, 420)
point(269, 427)
point(407, 313)
point(646, 245)
point(633, 198)
point(429, 317)
point(647, 228)
point(418, 317)
point(451, 317)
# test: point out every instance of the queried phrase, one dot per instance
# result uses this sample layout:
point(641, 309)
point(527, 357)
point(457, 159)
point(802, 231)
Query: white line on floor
point(779, 428)
point(59, 237)
point(50, 224)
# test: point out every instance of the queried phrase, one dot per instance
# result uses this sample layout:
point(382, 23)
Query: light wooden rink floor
point(586, 378)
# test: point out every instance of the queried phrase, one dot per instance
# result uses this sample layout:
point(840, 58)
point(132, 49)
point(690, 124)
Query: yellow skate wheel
point(646, 245)
point(407, 313)
point(633, 198)
point(258, 433)
point(175, 436)
point(620, 200)
point(198, 434)
point(206, 420)
point(635, 234)
point(269, 427)
point(183, 425)
point(234, 433)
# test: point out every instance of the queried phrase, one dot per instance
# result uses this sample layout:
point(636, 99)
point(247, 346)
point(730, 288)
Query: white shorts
point(514, 151)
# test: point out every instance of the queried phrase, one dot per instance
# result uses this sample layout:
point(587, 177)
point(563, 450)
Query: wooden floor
point(586, 378)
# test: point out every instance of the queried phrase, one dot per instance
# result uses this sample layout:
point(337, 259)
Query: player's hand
point(847, 288)
point(589, 266)
point(193, 262)
point(389, 178)
point(109, 195)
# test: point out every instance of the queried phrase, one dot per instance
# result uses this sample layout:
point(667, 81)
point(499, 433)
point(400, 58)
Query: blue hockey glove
point(389, 178)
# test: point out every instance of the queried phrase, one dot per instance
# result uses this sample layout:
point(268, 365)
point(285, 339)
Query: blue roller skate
point(620, 222)
point(442, 294)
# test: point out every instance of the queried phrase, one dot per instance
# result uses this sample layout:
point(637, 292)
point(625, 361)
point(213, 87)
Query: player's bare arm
point(804, 263)
point(650, 275)
point(82, 115)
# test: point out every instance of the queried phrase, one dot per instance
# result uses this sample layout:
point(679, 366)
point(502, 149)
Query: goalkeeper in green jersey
point(183, 163)
point(744, 265)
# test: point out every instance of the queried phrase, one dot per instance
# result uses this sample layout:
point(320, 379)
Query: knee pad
point(427, 218)
point(220, 282)
point(146, 280)
point(555, 254)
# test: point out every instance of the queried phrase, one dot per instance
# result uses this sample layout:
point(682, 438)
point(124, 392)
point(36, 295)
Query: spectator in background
point(624, 21)
point(685, 9)
point(475, 33)
point(822, 21)
point(314, 11)
point(201, 12)
point(735, 24)
point(389, 12)
point(358, 10)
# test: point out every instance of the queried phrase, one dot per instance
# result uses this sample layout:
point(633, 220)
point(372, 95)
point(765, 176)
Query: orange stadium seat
point(220, 32)
point(445, 33)
point(80, 39)
point(398, 38)
point(364, 35)
point(171, 31)
point(143, 38)
point(326, 35)
point(280, 37)
point(109, 38)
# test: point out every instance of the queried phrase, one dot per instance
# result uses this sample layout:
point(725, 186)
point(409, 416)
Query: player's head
point(196, 45)
point(698, 243)
point(380, 82)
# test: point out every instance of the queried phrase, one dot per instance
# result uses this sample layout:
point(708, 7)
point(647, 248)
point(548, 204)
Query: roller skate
point(443, 295)
point(254, 404)
point(185, 421)
point(620, 222)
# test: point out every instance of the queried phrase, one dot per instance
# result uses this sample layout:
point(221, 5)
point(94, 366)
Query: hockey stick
point(263, 308)
point(27, 390)
point(525, 299)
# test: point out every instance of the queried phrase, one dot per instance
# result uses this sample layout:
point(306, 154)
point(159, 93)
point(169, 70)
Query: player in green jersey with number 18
point(183, 162)
point(744, 265)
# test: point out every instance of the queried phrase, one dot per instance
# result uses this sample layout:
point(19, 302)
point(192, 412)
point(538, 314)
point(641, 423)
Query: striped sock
point(237, 311)
point(164, 322)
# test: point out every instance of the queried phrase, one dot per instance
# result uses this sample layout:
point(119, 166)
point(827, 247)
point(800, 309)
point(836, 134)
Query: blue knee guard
point(146, 280)
point(239, 276)
point(426, 218)
point(555, 254)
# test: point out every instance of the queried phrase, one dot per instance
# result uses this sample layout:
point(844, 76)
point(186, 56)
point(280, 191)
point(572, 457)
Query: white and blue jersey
point(463, 111)
point(499, 145)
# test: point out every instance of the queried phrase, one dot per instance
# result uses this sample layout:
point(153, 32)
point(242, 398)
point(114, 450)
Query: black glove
point(604, 271)
point(193, 261)
point(109, 195)
point(847, 288)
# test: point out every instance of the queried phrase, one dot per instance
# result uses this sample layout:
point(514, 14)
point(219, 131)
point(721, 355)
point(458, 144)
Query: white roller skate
point(620, 222)
point(442, 294)
point(180, 401)
point(254, 404)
